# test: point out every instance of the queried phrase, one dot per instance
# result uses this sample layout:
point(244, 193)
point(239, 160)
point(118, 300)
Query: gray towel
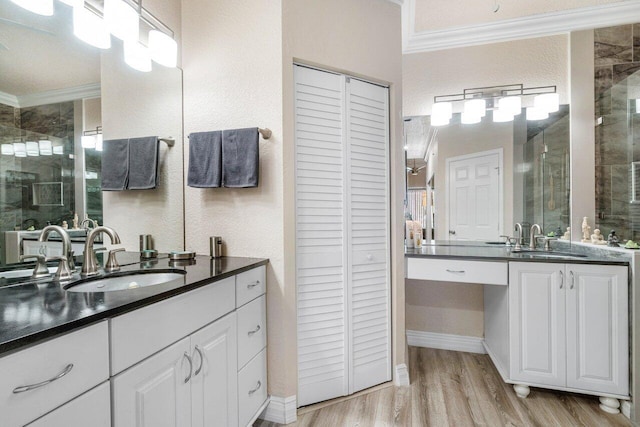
point(115, 164)
point(240, 158)
point(205, 159)
point(143, 163)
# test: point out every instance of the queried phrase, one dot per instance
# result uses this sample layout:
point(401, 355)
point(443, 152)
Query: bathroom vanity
point(190, 351)
point(557, 321)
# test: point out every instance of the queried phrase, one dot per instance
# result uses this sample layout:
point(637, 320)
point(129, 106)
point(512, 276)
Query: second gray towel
point(143, 163)
point(205, 159)
point(240, 158)
point(115, 164)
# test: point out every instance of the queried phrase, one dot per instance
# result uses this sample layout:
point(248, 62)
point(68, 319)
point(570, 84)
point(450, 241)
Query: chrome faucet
point(68, 267)
point(89, 259)
point(533, 235)
point(520, 240)
point(88, 222)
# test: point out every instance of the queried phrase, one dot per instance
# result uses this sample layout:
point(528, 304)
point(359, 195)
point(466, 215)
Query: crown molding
point(545, 24)
point(8, 99)
point(91, 90)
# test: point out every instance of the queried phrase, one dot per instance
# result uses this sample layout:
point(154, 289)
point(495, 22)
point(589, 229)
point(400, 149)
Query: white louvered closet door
point(368, 233)
point(342, 235)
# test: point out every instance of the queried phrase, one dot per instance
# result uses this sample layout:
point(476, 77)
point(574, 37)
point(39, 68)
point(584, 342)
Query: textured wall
point(361, 38)
point(438, 14)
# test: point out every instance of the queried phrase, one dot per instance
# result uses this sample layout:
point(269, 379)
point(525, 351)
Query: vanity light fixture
point(33, 150)
point(41, 7)
point(45, 147)
point(137, 56)
point(58, 150)
point(19, 149)
point(122, 20)
point(637, 105)
point(90, 28)
point(90, 138)
point(99, 142)
point(163, 49)
point(6, 149)
point(505, 101)
point(73, 3)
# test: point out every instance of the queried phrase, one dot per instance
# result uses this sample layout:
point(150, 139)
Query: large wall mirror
point(55, 89)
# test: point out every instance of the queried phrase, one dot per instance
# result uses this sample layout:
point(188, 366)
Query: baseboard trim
point(625, 408)
point(445, 341)
point(281, 410)
point(402, 375)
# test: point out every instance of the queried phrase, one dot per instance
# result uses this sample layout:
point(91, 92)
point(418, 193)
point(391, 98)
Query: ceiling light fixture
point(41, 7)
point(505, 101)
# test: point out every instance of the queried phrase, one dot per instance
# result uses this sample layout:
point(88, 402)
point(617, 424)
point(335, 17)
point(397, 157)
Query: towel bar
point(170, 141)
point(266, 133)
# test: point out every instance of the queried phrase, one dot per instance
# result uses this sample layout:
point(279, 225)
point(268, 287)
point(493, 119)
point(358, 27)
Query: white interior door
point(368, 207)
point(320, 235)
point(474, 196)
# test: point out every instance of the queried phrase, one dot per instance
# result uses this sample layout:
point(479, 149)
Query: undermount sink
point(547, 254)
point(121, 282)
point(16, 274)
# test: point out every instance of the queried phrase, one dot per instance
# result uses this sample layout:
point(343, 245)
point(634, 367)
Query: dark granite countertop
point(38, 310)
point(562, 252)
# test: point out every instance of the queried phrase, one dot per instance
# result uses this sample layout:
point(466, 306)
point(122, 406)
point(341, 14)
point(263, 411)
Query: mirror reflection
point(489, 176)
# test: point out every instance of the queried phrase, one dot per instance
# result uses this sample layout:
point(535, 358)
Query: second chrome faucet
point(89, 259)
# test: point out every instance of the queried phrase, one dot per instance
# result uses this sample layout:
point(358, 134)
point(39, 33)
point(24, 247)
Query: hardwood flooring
point(450, 388)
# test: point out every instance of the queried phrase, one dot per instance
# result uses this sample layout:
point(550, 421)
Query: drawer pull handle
point(255, 389)
point(195, 374)
point(24, 388)
point(561, 279)
point(455, 271)
point(254, 331)
point(186, 355)
point(253, 285)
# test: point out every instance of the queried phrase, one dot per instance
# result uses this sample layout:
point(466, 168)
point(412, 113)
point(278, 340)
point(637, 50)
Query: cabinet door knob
point(29, 387)
point(255, 389)
point(186, 356)
point(254, 331)
point(201, 361)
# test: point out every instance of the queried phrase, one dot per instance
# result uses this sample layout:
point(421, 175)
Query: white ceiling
point(40, 54)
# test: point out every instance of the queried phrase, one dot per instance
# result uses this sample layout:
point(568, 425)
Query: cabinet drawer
point(252, 387)
point(252, 330)
point(140, 333)
point(250, 285)
point(452, 270)
point(80, 360)
point(93, 407)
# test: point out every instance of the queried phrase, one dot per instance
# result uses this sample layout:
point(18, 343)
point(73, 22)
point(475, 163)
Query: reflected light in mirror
point(33, 150)
point(7, 150)
point(73, 3)
point(90, 28)
point(534, 113)
point(122, 20)
point(500, 116)
point(41, 7)
point(45, 147)
point(137, 56)
point(88, 141)
point(549, 102)
point(638, 105)
point(59, 150)
point(475, 107)
point(469, 119)
point(163, 49)
point(99, 142)
point(19, 149)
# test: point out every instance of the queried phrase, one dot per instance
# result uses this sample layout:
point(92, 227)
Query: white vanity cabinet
point(41, 378)
point(568, 329)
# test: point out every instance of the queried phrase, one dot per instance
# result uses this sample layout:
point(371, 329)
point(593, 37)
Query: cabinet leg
point(522, 390)
point(610, 405)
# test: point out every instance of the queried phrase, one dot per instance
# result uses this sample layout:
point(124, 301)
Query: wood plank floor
point(450, 388)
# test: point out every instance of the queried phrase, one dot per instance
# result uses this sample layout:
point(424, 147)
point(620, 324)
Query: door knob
point(452, 231)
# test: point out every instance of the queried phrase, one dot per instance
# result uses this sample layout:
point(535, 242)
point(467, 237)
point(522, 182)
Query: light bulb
point(137, 56)
point(41, 7)
point(88, 141)
point(99, 142)
point(549, 102)
point(19, 149)
point(58, 150)
point(33, 150)
point(45, 147)
point(475, 107)
point(500, 117)
point(534, 113)
point(163, 49)
point(469, 119)
point(442, 109)
point(439, 120)
point(122, 20)
point(511, 105)
point(7, 150)
point(90, 28)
